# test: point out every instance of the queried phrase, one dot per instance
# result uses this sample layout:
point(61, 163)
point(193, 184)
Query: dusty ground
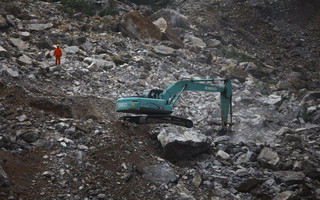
point(26, 168)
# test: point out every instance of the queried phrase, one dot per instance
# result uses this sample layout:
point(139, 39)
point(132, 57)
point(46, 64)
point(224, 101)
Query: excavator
point(155, 106)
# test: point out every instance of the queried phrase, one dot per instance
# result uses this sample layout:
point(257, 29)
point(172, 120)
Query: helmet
point(58, 45)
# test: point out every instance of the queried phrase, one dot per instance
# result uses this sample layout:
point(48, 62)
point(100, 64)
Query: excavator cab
point(152, 93)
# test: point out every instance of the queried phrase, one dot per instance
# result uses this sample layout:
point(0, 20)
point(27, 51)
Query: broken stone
point(24, 35)
point(71, 49)
point(289, 177)
point(167, 32)
point(44, 43)
point(173, 18)
point(213, 43)
point(194, 43)
point(197, 180)
point(161, 173)
point(247, 185)
point(21, 45)
point(40, 27)
point(286, 195)
point(223, 155)
point(268, 158)
point(24, 60)
point(161, 24)
point(3, 23)
point(234, 71)
point(161, 49)
point(4, 53)
point(98, 63)
point(30, 136)
point(4, 179)
point(273, 99)
point(10, 72)
point(10, 20)
point(22, 118)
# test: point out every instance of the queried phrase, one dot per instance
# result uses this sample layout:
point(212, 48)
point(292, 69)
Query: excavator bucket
point(226, 105)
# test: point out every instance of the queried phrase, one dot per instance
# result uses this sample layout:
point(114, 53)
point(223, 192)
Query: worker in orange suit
point(57, 52)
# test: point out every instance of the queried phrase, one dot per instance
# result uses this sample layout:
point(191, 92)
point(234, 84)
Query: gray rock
point(173, 17)
point(24, 35)
point(40, 27)
point(87, 46)
point(194, 43)
point(273, 99)
point(289, 177)
point(234, 71)
point(161, 173)
point(286, 195)
point(268, 158)
point(22, 118)
point(30, 136)
point(161, 49)
point(44, 43)
point(181, 144)
point(4, 141)
point(4, 53)
point(213, 43)
point(3, 23)
point(95, 64)
point(21, 45)
point(197, 180)
point(168, 32)
point(71, 49)
point(4, 179)
point(24, 60)
point(247, 184)
point(10, 72)
point(10, 20)
point(223, 155)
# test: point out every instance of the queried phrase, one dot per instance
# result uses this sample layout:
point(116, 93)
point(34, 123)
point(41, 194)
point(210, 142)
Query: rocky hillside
point(60, 137)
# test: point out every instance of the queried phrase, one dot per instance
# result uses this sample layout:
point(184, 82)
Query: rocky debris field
point(60, 137)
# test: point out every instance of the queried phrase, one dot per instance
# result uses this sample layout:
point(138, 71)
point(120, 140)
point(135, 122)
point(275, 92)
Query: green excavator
point(156, 106)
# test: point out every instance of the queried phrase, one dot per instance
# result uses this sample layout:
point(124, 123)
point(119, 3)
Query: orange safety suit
point(57, 52)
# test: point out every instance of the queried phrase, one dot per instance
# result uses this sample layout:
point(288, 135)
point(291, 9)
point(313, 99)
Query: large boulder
point(168, 33)
point(289, 177)
point(268, 158)
point(161, 173)
point(136, 26)
point(181, 144)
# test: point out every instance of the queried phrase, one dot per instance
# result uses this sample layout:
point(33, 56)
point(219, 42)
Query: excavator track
point(159, 119)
